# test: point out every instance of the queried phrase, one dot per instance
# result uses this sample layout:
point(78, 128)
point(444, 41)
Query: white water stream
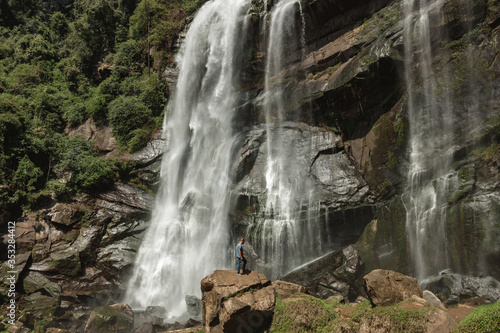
point(188, 237)
point(288, 235)
point(430, 176)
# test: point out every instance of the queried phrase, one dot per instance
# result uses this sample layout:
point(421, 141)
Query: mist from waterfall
point(188, 237)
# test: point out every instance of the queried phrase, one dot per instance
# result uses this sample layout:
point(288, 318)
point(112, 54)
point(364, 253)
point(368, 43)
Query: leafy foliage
point(125, 114)
point(62, 62)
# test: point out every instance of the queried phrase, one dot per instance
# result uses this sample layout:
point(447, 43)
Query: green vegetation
point(467, 38)
point(485, 319)
point(303, 315)
point(309, 314)
point(488, 153)
point(396, 317)
point(380, 22)
point(64, 62)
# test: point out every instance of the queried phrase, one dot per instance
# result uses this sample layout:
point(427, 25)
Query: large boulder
point(385, 287)
point(116, 318)
point(453, 288)
point(338, 273)
point(232, 302)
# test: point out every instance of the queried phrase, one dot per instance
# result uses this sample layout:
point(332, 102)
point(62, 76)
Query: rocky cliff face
point(74, 256)
point(347, 95)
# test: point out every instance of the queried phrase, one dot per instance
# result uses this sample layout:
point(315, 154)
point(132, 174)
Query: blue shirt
point(239, 246)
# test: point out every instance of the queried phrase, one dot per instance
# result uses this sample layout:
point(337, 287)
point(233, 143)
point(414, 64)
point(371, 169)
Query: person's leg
point(238, 266)
point(244, 264)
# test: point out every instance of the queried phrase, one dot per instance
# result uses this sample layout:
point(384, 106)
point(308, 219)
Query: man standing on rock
point(240, 256)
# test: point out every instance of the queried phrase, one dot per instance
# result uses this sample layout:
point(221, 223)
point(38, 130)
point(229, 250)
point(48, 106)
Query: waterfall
point(431, 137)
point(287, 235)
point(444, 118)
point(188, 237)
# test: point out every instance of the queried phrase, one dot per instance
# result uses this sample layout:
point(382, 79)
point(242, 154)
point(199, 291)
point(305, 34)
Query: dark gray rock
point(173, 326)
point(193, 304)
point(148, 316)
point(152, 152)
point(452, 288)
point(157, 321)
point(192, 323)
point(129, 196)
point(12, 279)
point(337, 273)
point(318, 161)
point(66, 258)
point(116, 318)
point(41, 310)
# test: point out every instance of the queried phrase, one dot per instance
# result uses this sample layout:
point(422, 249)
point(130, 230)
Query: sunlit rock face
point(406, 104)
point(304, 127)
point(304, 124)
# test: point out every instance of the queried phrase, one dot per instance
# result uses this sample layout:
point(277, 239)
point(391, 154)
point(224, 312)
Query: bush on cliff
point(125, 115)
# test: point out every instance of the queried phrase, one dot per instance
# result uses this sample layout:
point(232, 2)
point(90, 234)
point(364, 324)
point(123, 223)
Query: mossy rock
point(66, 262)
point(302, 314)
point(36, 281)
point(40, 311)
point(383, 242)
point(117, 318)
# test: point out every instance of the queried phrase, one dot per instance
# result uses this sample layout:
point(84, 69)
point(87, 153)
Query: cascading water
point(431, 135)
point(437, 132)
point(288, 233)
point(188, 237)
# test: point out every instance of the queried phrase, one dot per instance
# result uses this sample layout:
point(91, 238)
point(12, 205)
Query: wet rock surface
point(316, 152)
point(338, 273)
point(453, 288)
